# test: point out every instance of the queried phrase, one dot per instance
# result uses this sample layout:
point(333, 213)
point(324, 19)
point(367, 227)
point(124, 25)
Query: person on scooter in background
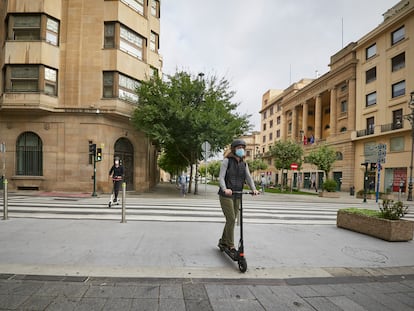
point(234, 173)
point(116, 173)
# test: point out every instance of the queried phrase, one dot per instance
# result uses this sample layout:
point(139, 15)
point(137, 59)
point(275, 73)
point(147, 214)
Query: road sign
point(206, 147)
point(294, 166)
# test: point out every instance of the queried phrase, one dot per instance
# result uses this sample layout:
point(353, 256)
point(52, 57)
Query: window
point(398, 62)
point(155, 8)
point(278, 133)
point(50, 81)
point(371, 75)
point(397, 144)
point(398, 35)
point(118, 85)
point(370, 125)
point(154, 42)
point(270, 136)
point(109, 35)
point(29, 156)
point(31, 78)
point(371, 99)
point(344, 106)
point(289, 127)
point(52, 31)
point(33, 27)
point(264, 126)
point(25, 27)
point(271, 124)
point(343, 129)
point(136, 5)
point(271, 111)
point(397, 119)
point(371, 51)
point(398, 89)
point(264, 139)
point(339, 156)
point(153, 72)
point(278, 120)
point(131, 42)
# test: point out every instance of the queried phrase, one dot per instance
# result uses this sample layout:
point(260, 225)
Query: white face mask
point(116, 162)
point(240, 153)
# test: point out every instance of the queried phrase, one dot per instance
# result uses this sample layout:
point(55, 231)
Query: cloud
point(263, 44)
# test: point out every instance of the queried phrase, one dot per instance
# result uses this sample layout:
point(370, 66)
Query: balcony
point(365, 132)
point(391, 126)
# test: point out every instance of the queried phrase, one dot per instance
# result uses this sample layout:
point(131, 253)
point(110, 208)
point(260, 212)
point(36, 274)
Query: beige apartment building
point(356, 106)
point(69, 73)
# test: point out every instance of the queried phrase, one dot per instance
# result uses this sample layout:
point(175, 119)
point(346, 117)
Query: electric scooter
point(111, 199)
point(238, 255)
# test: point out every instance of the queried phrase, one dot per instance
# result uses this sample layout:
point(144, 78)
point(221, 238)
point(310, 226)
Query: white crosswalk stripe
point(176, 209)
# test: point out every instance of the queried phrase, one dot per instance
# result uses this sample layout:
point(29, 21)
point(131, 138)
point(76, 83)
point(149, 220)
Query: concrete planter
point(389, 230)
point(326, 194)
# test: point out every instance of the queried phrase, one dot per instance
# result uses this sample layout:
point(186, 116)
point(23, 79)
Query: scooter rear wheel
point(242, 264)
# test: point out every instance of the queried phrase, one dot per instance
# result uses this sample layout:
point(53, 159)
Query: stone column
point(351, 104)
point(305, 112)
point(318, 117)
point(334, 114)
point(294, 124)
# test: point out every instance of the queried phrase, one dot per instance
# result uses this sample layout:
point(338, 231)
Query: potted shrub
point(385, 224)
point(329, 189)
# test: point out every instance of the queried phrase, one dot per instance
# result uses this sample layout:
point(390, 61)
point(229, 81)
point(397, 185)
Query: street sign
point(206, 147)
point(294, 166)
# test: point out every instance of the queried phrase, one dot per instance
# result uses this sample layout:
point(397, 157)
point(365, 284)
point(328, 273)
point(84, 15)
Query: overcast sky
point(261, 44)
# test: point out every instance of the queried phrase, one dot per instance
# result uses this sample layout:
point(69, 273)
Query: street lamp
point(410, 117)
point(365, 180)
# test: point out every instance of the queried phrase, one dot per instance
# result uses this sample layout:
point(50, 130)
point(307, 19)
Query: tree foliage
point(181, 112)
point(286, 152)
point(323, 158)
point(256, 165)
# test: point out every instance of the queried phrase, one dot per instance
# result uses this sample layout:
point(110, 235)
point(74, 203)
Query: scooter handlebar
point(245, 192)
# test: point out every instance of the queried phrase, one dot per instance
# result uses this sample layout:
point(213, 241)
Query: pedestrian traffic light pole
point(94, 176)
point(92, 153)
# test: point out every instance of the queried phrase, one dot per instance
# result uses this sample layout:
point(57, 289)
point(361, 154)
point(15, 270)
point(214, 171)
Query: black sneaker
point(221, 246)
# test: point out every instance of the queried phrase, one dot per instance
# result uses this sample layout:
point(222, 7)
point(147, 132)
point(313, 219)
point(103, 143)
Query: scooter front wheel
point(242, 264)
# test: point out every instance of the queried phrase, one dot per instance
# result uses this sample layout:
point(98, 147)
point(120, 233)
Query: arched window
point(29, 155)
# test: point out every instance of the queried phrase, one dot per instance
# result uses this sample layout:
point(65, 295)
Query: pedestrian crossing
point(176, 209)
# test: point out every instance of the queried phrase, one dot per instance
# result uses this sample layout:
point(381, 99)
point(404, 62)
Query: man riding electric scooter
point(234, 172)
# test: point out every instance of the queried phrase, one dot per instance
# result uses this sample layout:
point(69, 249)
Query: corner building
point(360, 104)
point(69, 73)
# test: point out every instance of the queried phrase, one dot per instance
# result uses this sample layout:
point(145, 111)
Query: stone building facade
point(359, 104)
point(69, 72)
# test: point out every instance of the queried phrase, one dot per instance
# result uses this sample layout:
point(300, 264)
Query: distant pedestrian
point(116, 173)
point(182, 181)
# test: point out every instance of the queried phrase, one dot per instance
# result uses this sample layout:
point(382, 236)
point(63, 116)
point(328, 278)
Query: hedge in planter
point(384, 224)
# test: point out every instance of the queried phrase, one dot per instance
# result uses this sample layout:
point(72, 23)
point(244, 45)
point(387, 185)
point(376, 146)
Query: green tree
point(323, 158)
point(181, 112)
point(256, 165)
point(286, 152)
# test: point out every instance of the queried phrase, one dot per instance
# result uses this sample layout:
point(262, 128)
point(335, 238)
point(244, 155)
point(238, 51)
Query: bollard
point(123, 220)
point(5, 199)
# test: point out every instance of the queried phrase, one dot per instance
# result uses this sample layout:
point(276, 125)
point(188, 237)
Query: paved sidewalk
point(50, 264)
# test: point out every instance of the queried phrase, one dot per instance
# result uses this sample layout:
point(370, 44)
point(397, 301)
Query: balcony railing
point(391, 126)
point(365, 132)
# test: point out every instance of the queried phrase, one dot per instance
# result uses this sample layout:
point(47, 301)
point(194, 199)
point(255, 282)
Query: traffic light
point(99, 154)
point(92, 149)
point(373, 166)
